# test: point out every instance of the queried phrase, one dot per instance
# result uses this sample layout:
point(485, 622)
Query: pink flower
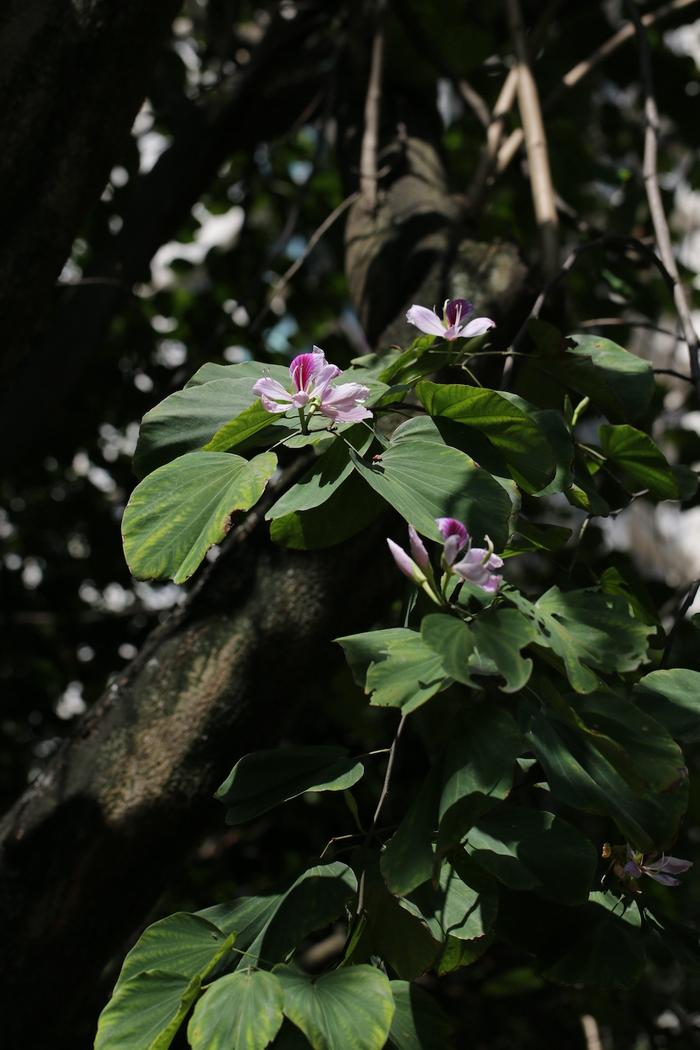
point(478, 563)
point(453, 324)
point(416, 565)
point(662, 870)
point(312, 391)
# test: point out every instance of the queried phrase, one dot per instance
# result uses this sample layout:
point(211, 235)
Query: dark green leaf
point(640, 460)
point(348, 509)
point(462, 903)
point(418, 1023)
point(145, 1012)
point(262, 780)
point(672, 698)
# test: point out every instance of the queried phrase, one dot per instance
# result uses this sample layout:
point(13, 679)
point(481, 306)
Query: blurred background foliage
point(182, 261)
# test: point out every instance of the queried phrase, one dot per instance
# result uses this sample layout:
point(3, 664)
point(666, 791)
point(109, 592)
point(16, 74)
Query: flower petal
point(425, 320)
point(659, 876)
point(272, 394)
point(455, 535)
point(476, 566)
point(305, 367)
point(420, 554)
point(478, 326)
point(344, 402)
point(456, 311)
point(405, 564)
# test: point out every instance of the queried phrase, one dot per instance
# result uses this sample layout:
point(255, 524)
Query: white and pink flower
point(453, 324)
point(312, 391)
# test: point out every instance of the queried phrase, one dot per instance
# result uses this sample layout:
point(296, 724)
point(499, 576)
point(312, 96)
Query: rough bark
point(87, 850)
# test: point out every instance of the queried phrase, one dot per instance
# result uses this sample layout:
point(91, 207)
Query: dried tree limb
point(373, 101)
point(543, 197)
point(502, 107)
point(656, 206)
point(582, 69)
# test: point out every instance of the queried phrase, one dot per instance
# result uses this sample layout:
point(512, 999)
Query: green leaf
point(418, 1023)
point(395, 667)
point(349, 1007)
point(490, 645)
point(462, 902)
point(457, 954)
point(672, 698)
point(408, 859)
point(503, 420)
point(245, 916)
point(587, 629)
point(478, 769)
point(533, 536)
point(608, 954)
point(145, 1012)
point(642, 462)
point(187, 419)
point(617, 382)
point(242, 1011)
point(183, 508)
point(529, 849)
point(318, 897)
point(262, 780)
point(252, 370)
point(405, 674)
point(584, 772)
point(425, 480)
point(246, 425)
point(325, 477)
point(182, 943)
point(348, 509)
point(394, 930)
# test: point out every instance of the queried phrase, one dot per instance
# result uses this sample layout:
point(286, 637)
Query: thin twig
point(582, 69)
point(313, 240)
point(672, 372)
point(380, 805)
point(535, 144)
point(653, 190)
point(373, 101)
point(678, 620)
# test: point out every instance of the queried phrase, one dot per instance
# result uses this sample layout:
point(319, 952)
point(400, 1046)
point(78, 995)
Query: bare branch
point(535, 143)
point(656, 207)
point(581, 70)
point(373, 101)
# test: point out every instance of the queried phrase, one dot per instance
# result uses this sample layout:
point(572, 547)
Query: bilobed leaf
point(587, 629)
point(318, 897)
point(641, 461)
point(250, 421)
point(394, 930)
point(418, 1023)
point(251, 370)
point(242, 1011)
point(262, 780)
point(499, 635)
point(453, 641)
point(184, 507)
point(503, 420)
point(405, 674)
point(528, 849)
point(327, 474)
point(349, 1007)
point(672, 698)
point(182, 943)
point(462, 902)
point(425, 480)
point(408, 859)
point(587, 776)
point(610, 952)
point(617, 382)
point(348, 509)
point(478, 769)
point(395, 666)
point(145, 1012)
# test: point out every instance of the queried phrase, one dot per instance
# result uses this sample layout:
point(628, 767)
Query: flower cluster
point(476, 564)
point(312, 392)
point(453, 324)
